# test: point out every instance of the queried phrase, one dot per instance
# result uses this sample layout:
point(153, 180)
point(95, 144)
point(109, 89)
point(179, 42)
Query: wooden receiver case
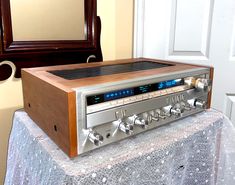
point(50, 96)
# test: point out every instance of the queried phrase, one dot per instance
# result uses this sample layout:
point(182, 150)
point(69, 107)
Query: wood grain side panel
point(48, 107)
point(72, 124)
point(210, 93)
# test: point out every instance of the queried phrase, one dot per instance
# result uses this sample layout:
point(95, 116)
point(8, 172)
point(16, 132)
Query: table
point(196, 150)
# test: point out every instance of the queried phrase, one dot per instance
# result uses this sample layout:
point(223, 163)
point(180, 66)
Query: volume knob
point(95, 138)
point(203, 84)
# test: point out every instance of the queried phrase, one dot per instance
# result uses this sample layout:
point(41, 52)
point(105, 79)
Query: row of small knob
point(124, 126)
point(127, 125)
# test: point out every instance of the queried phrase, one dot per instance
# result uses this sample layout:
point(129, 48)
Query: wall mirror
point(48, 20)
point(41, 32)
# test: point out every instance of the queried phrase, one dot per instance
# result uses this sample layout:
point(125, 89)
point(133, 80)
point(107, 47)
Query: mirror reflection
point(43, 20)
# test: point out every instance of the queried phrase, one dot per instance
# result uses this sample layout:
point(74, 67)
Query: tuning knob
point(126, 128)
point(199, 83)
point(95, 138)
point(190, 81)
point(203, 84)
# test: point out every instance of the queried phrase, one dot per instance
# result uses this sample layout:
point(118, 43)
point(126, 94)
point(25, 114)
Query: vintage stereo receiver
point(82, 107)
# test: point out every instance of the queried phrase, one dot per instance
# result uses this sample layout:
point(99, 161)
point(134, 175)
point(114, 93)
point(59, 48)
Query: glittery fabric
point(196, 150)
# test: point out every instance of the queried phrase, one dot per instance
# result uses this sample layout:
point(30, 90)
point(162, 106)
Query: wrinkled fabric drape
point(196, 150)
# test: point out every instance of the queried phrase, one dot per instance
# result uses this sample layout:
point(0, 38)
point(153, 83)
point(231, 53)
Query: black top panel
point(73, 74)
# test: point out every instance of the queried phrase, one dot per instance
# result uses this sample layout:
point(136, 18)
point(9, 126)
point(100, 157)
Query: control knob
point(95, 138)
point(176, 110)
point(155, 114)
point(199, 83)
point(203, 84)
point(185, 106)
point(136, 120)
point(200, 104)
point(163, 114)
point(126, 128)
point(197, 103)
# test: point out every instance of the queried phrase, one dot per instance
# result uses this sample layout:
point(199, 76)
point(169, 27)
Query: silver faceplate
point(106, 122)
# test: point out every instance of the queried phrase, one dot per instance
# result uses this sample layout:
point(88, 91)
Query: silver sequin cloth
point(197, 150)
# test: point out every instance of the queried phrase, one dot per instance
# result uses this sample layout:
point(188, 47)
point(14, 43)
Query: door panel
point(192, 31)
point(190, 23)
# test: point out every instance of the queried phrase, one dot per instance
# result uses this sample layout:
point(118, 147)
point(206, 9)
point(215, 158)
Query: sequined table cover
point(193, 151)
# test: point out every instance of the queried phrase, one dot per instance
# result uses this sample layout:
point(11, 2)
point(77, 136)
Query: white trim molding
point(139, 21)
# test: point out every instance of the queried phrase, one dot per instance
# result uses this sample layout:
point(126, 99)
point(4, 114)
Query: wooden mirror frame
point(46, 53)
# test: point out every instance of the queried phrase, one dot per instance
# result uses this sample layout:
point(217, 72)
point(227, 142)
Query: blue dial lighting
point(169, 83)
point(95, 99)
point(118, 94)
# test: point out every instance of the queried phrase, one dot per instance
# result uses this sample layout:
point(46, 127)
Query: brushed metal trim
point(110, 127)
point(108, 115)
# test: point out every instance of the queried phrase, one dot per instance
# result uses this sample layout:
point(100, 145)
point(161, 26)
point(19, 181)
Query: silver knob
point(185, 106)
point(203, 84)
point(95, 138)
point(196, 103)
point(199, 83)
point(163, 113)
point(141, 122)
point(176, 111)
point(126, 128)
point(154, 115)
point(191, 103)
point(166, 111)
point(200, 104)
point(190, 81)
point(136, 120)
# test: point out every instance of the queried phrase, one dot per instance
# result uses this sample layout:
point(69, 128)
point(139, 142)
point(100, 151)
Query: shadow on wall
point(11, 99)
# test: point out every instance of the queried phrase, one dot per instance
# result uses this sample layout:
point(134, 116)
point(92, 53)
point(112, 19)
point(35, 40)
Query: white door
point(192, 31)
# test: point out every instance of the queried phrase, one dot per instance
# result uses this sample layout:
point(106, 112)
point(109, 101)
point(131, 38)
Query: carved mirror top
point(43, 33)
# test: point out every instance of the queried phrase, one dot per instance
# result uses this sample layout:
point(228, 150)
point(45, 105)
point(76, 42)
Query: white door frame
point(139, 17)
